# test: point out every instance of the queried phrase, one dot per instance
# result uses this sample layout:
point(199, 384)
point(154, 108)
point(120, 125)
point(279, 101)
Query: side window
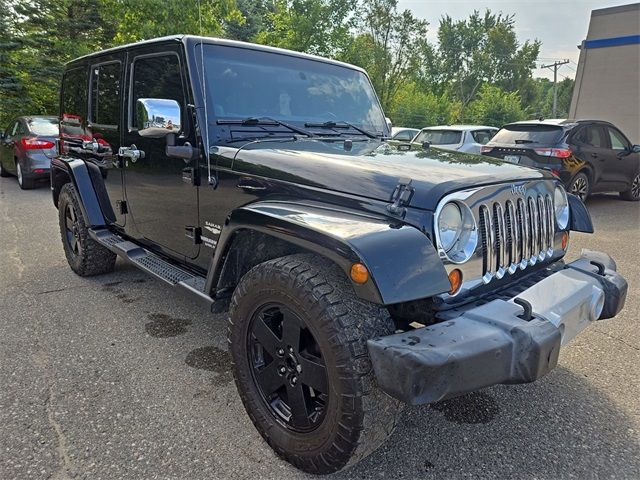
point(591, 136)
point(404, 135)
point(156, 77)
point(16, 129)
point(74, 93)
point(105, 94)
point(618, 142)
point(482, 136)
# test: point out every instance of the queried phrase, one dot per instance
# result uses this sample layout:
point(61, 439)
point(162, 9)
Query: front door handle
point(594, 155)
point(251, 185)
point(132, 153)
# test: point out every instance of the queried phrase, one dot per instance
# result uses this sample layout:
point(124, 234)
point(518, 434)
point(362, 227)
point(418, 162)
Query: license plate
point(512, 158)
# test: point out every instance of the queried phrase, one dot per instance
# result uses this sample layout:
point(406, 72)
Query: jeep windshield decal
point(250, 88)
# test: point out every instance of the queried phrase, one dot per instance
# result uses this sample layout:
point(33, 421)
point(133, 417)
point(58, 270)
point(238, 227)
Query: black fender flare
point(83, 175)
point(579, 217)
point(402, 262)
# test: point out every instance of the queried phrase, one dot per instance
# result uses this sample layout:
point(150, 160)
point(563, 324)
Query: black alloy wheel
point(633, 194)
point(288, 367)
point(580, 186)
point(72, 230)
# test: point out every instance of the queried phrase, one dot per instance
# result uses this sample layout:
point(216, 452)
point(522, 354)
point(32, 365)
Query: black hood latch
point(401, 197)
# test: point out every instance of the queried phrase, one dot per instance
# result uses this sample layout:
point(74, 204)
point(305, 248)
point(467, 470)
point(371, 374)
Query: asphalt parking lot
point(118, 377)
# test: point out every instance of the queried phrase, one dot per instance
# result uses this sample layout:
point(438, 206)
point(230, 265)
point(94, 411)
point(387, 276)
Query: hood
point(373, 169)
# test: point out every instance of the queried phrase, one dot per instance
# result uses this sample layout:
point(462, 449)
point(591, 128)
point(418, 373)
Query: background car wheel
point(580, 186)
point(298, 335)
point(25, 183)
point(86, 257)
point(633, 194)
point(3, 172)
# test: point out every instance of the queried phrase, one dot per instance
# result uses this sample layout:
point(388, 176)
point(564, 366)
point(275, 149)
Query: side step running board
point(153, 265)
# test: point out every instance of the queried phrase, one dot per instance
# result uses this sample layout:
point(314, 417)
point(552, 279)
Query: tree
point(493, 106)
point(145, 19)
point(10, 82)
point(254, 14)
point(391, 46)
point(321, 27)
point(413, 107)
point(483, 48)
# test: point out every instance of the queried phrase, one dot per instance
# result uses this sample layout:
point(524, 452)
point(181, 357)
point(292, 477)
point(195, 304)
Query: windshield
point(243, 83)
point(523, 133)
point(43, 126)
point(439, 137)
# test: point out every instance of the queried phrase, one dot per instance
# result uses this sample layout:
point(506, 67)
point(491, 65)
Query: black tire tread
point(628, 196)
point(95, 259)
point(354, 321)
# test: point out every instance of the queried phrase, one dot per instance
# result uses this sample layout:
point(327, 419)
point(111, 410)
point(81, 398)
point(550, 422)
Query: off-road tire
point(92, 258)
point(359, 416)
point(580, 182)
point(3, 171)
point(633, 194)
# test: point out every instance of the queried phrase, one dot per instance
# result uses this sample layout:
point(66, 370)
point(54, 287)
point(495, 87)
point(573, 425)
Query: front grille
point(515, 234)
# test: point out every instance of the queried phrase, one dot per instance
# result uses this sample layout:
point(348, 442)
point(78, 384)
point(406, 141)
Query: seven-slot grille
point(515, 234)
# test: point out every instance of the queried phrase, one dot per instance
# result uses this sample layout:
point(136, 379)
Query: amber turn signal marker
point(455, 279)
point(565, 240)
point(359, 273)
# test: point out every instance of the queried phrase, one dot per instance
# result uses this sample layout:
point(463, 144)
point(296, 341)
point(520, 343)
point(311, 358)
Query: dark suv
point(589, 156)
point(357, 277)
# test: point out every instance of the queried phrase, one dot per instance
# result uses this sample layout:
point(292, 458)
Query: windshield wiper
point(261, 121)
point(341, 124)
point(266, 138)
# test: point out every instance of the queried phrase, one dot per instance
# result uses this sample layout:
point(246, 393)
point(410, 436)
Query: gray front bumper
point(497, 342)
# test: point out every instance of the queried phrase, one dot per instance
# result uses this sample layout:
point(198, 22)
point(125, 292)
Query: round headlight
point(449, 225)
point(457, 232)
point(561, 205)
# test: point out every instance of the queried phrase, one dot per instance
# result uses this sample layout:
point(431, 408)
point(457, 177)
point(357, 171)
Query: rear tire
point(24, 183)
point(633, 194)
point(580, 186)
point(324, 431)
point(86, 257)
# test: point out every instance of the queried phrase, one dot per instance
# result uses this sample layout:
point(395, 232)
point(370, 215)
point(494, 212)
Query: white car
point(403, 134)
point(463, 138)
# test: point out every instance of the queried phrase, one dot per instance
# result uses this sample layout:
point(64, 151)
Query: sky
point(560, 25)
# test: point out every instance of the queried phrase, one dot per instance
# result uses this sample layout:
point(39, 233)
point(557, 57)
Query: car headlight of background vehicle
point(561, 206)
point(457, 233)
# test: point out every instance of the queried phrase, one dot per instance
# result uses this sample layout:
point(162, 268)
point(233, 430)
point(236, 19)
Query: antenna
point(210, 179)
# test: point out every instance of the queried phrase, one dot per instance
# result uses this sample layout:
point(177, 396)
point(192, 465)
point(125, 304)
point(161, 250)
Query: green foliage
point(412, 107)
point(495, 107)
point(390, 45)
point(477, 72)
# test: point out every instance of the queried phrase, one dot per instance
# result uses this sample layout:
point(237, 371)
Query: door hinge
point(195, 233)
point(122, 207)
point(401, 196)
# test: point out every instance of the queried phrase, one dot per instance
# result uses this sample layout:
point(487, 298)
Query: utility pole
point(555, 66)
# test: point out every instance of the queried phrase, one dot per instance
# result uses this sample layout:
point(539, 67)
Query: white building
point(608, 77)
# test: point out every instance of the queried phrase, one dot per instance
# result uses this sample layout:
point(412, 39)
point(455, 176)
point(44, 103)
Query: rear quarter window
point(542, 134)
point(74, 93)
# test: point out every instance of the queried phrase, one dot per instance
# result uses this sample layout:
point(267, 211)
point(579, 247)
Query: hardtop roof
point(193, 39)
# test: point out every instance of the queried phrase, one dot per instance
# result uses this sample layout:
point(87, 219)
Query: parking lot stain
point(210, 358)
point(163, 326)
point(473, 408)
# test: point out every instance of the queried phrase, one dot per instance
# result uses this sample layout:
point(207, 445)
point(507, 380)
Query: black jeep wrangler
point(358, 277)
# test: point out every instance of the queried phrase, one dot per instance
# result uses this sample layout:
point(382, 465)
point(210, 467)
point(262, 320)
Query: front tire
point(580, 186)
point(298, 335)
point(86, 257)
point(633, 194)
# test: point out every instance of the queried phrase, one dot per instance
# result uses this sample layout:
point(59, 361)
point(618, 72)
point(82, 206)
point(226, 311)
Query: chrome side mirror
point(157, 117)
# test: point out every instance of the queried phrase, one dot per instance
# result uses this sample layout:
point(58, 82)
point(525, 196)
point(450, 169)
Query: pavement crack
point(66, 465)
point(613, 337)
point(73, 287)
